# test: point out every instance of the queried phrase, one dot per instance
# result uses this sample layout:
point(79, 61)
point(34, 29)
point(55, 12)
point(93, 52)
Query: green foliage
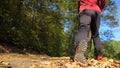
point(32, 25)
point(111, 49)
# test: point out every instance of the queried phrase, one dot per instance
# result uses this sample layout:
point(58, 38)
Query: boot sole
point(81, 51)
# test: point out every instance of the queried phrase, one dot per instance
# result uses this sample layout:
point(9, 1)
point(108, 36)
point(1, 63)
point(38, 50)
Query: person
point(89, 19)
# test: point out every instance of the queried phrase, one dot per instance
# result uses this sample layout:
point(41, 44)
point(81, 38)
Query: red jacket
point(91, 4)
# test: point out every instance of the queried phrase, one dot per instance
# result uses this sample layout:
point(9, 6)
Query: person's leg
point(95, 34)
point(84, 26)
point(82, 35)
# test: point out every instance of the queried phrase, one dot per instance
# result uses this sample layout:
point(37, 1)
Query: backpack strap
point(99, 2)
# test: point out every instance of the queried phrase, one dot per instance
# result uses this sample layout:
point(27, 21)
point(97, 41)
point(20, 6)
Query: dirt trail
point(19, 60)
point(9, 59)
point(15, 60)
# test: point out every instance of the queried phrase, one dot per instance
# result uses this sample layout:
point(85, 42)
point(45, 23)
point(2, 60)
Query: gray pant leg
point(84, 26)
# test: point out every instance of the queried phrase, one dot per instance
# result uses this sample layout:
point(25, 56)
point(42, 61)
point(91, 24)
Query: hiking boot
point(80, 51)
point(100, 58)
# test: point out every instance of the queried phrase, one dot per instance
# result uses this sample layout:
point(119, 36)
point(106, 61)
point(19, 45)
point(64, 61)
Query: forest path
point(15, 60)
